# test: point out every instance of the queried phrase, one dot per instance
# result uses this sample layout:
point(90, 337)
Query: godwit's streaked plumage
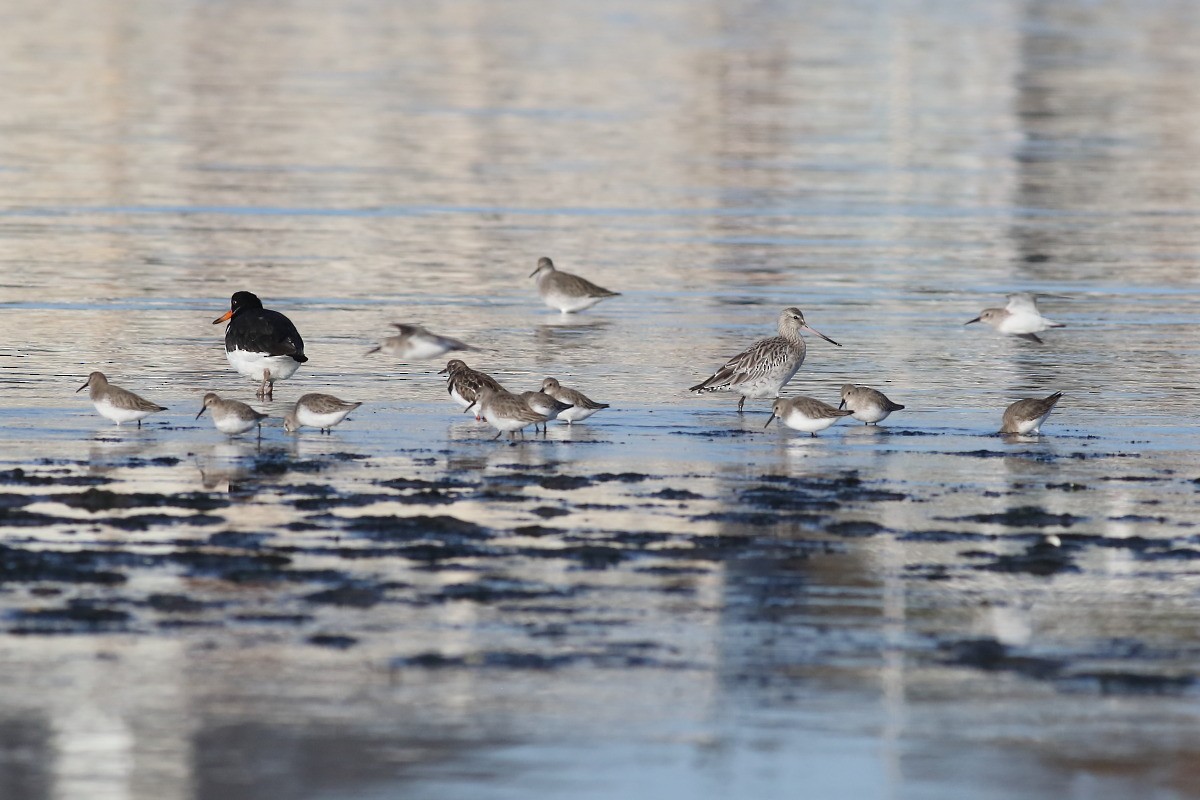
point(565, 291)
point(764, 369)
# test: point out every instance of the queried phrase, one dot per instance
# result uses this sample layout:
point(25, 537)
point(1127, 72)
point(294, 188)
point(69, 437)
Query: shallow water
point(666, 600)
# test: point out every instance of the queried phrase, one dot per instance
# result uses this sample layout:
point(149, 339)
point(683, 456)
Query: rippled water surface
point(667, 600)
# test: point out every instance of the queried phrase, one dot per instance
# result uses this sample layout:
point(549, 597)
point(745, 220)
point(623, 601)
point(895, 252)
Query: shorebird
point(868, 405)
point(231, 416)
point(417, 342)
point(565, 291)
point(805, 414)
point(582, 406)
point(463, 383)
point(764, 369)
point(545, 405)
point(261, 344)
point(1020, 318)
point(1027, 416)
point(505, 411)
point(113, 402)
point(321, 411)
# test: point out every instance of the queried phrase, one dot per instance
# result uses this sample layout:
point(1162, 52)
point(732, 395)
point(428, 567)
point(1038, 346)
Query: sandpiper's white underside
point(870, 413)
point(567, 303)
point(306, 416)
point(505, 424)
point(232, 423)
point(253, 364)
point(118, 414)
point(576, 414)
point(801, 422)
point(1032, 425)
point(415, 347)
point(1020, 322)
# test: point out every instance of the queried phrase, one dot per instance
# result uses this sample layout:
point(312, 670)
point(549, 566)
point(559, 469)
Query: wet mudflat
point(666, 600)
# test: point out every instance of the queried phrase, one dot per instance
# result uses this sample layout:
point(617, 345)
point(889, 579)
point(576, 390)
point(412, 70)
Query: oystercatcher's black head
point(239, 301)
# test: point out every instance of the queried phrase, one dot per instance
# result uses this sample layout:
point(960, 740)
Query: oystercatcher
point(261, 344)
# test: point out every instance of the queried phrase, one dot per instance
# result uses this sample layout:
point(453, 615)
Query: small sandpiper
point(415, 342)
point(463, 383)
point(764, 369)
point(1020, 318)
point(1027, 416)
point(113, 402)
point(805, 414)
point(565, 291)
point(261, 344)
point(320, 411)
point(231, 416)
point(545, 405)
point(581, 406)
point(868, 405)
point(505, 411)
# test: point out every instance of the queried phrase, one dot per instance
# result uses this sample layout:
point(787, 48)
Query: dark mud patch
point(175, 604)
point(95, 500)
point(625, 477)
point(356, 595)
point(137, 523)
point(328, 501)
point(944, 536)
point(564, 483)
point(77, 616)
point(495, 589)
point(1131, 683)
point(332, 641)
point(1042, 558)
point(390, 528)
point(991, 655)
point(675, 494)
point(35, 566)
point(1022, 517)
point(19, 477)
point(419, 484)
point(615, 655)
point(855, 529)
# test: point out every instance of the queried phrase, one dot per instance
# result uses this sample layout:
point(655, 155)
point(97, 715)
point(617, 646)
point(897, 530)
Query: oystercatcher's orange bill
point(223, 317)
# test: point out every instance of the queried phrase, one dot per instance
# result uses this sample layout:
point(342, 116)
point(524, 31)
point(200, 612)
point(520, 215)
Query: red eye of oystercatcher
point(260, 343)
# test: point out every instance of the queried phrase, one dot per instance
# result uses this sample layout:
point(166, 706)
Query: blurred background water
point(891, 168)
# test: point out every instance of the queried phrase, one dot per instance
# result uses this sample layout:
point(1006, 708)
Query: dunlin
point(565, 291)
point(321, 411)
point(582, 406)
point(1020, 318)
point(764, 369)
point(231, 416)
point(463, 383)
point(1027, 416)
point(806, 414)
point(545, 405)
point(868, 405)
point(417, 342)
point(505, 411)
point(113, 402)
point(261, 344)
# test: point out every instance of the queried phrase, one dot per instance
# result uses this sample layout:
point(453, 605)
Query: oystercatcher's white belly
point(252, 364)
